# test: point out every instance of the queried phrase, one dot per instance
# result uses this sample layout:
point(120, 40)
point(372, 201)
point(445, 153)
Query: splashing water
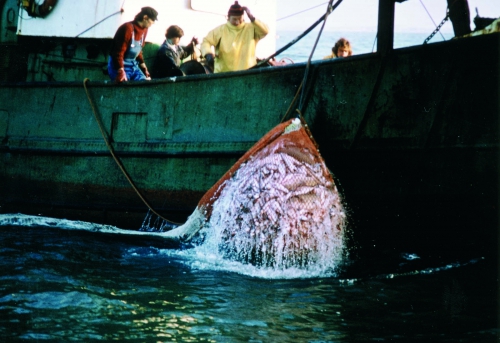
point(206, 256)
point(278, 209)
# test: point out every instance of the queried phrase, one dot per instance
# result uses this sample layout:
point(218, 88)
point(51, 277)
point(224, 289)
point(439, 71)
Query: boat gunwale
point(253, 71)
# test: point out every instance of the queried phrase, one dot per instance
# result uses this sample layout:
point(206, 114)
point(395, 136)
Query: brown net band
point(278, 205)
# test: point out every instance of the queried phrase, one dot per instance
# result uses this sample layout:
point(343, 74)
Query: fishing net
point(277, 206)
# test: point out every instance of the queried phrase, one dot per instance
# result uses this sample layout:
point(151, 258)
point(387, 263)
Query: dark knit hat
point(235, 10)
point(150, 12)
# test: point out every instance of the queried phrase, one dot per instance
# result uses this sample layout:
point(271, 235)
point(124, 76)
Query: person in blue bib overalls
point(125, 59)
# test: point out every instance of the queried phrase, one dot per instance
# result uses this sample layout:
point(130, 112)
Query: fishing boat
point(410, 134)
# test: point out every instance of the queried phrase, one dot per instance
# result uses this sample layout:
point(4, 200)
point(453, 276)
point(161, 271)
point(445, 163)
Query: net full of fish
point(278, 205)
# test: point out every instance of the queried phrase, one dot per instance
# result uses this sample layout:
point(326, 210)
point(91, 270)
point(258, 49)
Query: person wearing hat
point(125, 58)
point(170, 55)
point(234, 42)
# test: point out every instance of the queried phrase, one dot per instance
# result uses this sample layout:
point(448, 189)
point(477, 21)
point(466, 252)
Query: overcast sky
point(361, 15)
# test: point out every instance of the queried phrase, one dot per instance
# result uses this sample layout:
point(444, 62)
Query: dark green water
point(66, 285)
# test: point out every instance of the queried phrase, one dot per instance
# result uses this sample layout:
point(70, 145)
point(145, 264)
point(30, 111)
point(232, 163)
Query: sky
point(361, 15)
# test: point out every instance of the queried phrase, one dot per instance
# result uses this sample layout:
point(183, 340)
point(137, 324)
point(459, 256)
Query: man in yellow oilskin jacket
point(234, 42)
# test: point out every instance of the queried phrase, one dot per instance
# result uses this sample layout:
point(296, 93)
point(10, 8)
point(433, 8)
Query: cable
point(291, 15)
point(425, 8)
point(117, 160)
point(304, 81)
point(299, 37)
point(374, 41)
point(109, 16)
point(301, 87)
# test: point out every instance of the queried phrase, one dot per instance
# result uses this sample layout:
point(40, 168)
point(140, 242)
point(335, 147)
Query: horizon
point(411, 15)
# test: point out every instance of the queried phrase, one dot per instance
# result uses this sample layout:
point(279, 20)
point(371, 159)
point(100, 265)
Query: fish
point(278, 206)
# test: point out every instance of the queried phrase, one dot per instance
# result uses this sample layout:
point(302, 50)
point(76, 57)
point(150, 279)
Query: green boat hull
point(418, 126)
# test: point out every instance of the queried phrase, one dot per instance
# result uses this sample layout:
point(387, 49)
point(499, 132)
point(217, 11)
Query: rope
point(194, 55)
point(109, 16)
point(374, 41)
point(291, 104)
point(298, 38)
point(307, 129)
point(117, 160)
point(306, 73)
point(425, 8)
point(310, 8)
point(301, 87)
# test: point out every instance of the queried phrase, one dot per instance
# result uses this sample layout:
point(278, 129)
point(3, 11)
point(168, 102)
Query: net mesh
point(281, 206)
point(278, 205)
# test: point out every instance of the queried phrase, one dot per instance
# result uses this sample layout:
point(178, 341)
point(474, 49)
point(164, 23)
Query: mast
point(385, 35)
point(458, 11)
point(460, 16)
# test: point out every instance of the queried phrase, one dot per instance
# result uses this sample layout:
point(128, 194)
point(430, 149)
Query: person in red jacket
point(125, 59)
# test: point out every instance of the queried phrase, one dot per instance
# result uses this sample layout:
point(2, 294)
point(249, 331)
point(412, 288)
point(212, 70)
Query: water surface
point(63, 285)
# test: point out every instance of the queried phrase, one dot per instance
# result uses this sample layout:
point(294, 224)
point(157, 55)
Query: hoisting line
point(117, 160)
point(301, 88)
point(299, 37)
point(306, 73)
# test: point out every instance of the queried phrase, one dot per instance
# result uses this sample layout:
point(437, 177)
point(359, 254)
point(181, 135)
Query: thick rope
point(300, 90)
point(117, 160)
point(306, 73)
point(290, 108)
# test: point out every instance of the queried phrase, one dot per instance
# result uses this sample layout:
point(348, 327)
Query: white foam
point(278, 216)
point(23, 220)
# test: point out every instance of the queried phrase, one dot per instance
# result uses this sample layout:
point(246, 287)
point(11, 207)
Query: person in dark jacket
point(170, 55)
point(125, 58)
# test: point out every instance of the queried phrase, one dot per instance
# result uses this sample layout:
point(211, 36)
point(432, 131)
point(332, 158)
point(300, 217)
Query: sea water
point(362, 42)
point(65, 281)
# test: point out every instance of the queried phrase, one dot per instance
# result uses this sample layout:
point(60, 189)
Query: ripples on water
point(75, 284)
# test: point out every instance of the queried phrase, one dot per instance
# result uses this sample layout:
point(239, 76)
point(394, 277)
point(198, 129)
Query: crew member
point(342, 48)
point(125, 59)
point(234, 42)
point(170, 55)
